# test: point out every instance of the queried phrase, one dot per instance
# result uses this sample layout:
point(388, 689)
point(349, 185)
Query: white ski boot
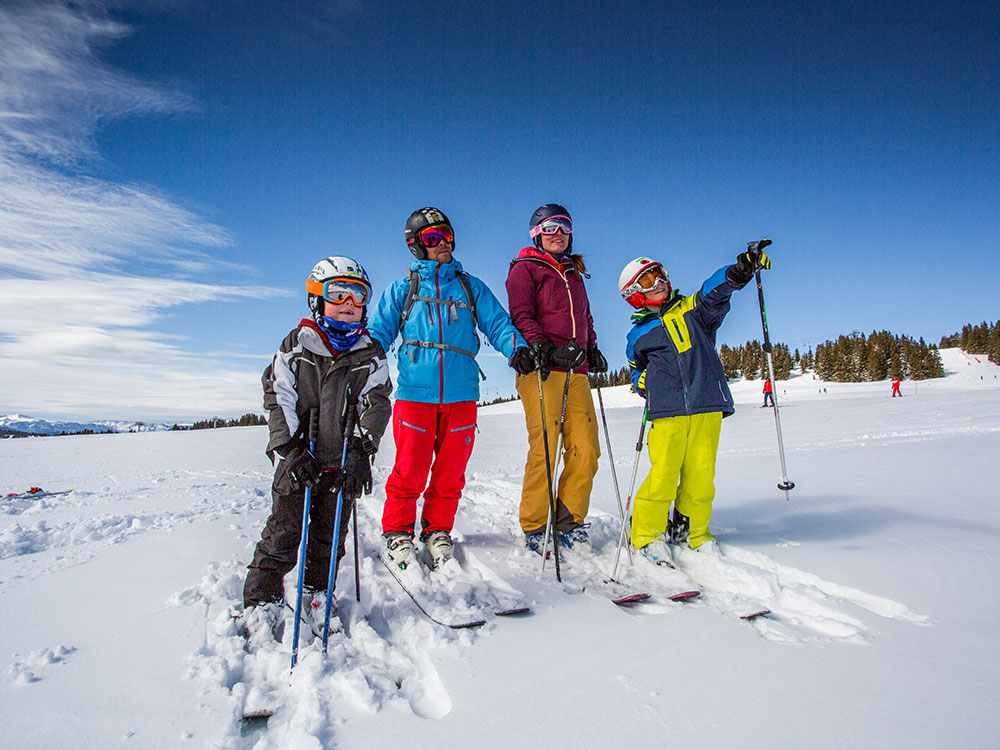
point(399, 546)
point(658, 553)
point(440, 548)
point(261, 624)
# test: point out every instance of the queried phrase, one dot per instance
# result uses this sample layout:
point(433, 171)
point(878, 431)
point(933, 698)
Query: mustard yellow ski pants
point(682, 452)
point(580, 451)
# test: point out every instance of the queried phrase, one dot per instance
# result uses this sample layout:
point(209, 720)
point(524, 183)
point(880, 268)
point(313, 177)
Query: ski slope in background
point(881, 573)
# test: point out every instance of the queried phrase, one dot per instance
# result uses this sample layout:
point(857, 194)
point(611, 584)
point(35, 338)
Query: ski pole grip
point(313, 426)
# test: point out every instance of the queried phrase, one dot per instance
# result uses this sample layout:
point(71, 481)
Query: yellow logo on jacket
point(676, 326)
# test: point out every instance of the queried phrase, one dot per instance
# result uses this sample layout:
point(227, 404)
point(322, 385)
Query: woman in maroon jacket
point(549, 306)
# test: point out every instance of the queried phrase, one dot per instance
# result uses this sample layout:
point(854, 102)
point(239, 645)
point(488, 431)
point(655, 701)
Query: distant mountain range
point(24, 423)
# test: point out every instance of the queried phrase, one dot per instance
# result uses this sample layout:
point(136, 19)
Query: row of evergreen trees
point(750, 361)
point(857, 358)
point(247, 420)
point(849, 359)
point(981, 339)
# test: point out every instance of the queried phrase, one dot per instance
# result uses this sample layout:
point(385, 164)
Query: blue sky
point(169, 172)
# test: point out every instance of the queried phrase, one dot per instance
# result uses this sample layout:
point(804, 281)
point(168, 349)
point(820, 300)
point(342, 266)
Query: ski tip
point(755, 615)
point(258, 716)
point(472, 624)
point(513, 611)
point(630, 599)
point(684, 596)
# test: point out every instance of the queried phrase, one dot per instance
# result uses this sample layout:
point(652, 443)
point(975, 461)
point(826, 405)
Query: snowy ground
point(881, 573)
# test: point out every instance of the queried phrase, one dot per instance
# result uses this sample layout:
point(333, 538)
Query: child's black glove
point(748, 263)
point(356, 475)
point(542, 349)
point(595, 360)
point(569, 356)
point(303, 468)
point(523, 361)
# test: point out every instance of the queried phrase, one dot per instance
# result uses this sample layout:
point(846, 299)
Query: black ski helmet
point(547, 211)
point(421, 219)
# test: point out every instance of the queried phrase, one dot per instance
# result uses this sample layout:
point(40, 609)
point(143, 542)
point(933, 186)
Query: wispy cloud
point(55, 91)
point(61, 226)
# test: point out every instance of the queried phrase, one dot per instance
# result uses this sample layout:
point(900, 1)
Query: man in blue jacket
point(436, 309)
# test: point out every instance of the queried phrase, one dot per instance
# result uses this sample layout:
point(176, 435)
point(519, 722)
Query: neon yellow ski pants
point(682, 452)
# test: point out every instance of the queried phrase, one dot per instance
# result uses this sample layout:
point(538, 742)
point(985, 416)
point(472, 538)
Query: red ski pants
point(434, 438)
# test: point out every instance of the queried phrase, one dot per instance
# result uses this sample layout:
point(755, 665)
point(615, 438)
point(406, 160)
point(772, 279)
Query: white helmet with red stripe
point(628, 282)
point(336, 267)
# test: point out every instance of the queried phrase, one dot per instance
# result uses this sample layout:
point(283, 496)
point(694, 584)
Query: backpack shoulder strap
point(463, 279)
point(410, 296)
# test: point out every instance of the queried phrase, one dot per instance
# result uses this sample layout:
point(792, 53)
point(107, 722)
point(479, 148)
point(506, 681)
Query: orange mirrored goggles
point(339, 291)
point(650, 278)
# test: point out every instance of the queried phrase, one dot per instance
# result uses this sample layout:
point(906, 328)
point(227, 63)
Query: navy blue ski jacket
point(672, 352)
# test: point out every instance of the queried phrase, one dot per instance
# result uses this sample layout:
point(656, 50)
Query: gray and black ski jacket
point(307, 373)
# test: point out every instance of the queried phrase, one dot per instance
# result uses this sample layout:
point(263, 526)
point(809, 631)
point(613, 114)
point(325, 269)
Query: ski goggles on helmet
point(435, 235)
point(339, 291)
point(552, 225)
point(647, 280)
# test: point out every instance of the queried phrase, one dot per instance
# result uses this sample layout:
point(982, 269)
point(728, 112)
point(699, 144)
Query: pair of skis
point(35, 492)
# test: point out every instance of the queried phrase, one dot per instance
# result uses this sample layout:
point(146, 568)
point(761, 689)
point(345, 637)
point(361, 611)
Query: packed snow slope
point(881, 573)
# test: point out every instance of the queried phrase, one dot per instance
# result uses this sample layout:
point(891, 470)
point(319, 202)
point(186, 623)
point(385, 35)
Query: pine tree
point(782, 362)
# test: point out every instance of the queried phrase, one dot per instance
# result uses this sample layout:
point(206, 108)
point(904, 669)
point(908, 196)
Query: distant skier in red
point(895, 388)
point(768, 392)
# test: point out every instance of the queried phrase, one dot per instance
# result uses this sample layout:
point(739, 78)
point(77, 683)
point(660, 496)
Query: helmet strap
point(671, 294)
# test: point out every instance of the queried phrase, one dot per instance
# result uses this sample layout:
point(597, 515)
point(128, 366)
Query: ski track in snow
point(78, 539)
point(24, 670)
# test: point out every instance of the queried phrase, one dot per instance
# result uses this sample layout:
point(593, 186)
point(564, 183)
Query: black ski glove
point(523, 361)
point(356, 479)
point(303, 468)
point(569, 356)
point(748, 263)
point(542, 349)
point(595, 360)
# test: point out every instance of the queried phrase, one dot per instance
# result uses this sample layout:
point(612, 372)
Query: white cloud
point(85, 243)
point(129, 391)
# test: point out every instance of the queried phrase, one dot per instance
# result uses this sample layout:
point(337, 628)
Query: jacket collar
point(641, 316)
point(429, 268)
point(533, 253)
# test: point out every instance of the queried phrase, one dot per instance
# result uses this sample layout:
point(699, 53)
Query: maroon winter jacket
point(547, 299)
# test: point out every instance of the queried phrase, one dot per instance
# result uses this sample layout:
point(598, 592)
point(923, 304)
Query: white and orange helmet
point(638, 277)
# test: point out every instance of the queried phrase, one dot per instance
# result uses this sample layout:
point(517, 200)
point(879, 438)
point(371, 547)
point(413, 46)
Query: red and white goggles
point(340, 290)
point(552, 225)
point(647, 280)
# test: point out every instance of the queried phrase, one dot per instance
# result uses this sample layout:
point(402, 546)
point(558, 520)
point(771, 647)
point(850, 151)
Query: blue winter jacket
point(672, 352)
point(435, 375)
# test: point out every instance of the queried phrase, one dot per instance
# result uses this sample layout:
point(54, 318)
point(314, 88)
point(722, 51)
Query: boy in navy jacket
point(671, 350)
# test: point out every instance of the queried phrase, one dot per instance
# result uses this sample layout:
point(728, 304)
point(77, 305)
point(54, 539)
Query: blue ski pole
point(313, 426)
point(348, 429)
